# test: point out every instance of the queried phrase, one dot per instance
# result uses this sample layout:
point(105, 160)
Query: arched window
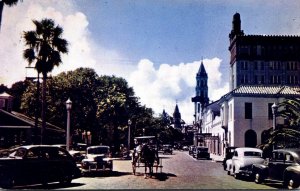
point(250, 138)
point(264, 136)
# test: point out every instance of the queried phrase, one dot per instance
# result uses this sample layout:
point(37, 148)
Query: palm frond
point(29, 55)
point(30, 38)
point(10, 2)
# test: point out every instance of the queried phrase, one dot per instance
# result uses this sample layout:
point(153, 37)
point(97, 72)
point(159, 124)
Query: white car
point(242, 161)
point(98, 158)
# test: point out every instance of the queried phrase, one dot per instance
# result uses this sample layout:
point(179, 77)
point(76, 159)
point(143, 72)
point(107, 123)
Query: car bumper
point(96, 167)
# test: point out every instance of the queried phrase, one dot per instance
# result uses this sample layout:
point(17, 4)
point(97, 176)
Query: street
point(180, 171)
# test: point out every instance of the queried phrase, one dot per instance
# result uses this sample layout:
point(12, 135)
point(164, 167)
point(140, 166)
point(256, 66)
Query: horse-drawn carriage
point(145, 154)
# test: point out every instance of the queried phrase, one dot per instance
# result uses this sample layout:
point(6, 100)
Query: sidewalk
point(216, 158)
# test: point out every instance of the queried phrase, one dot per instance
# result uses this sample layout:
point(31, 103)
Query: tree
point(44, 48)
point(17, 90)
point(3, 88)
point(287, 135)
point(6, 2)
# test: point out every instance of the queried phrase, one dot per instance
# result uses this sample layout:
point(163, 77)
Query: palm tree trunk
point(43, 108)
point(1, 10)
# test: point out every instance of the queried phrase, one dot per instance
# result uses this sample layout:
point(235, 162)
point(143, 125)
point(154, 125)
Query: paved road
point(180, 171)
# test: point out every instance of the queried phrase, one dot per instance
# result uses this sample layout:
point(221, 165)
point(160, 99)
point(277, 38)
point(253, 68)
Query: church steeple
point(201, 99)
point(177, 118)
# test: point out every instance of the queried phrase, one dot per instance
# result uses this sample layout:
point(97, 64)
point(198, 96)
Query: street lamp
point(274, 111)
point(128, 146)
point(69, 107)
point(143, 131)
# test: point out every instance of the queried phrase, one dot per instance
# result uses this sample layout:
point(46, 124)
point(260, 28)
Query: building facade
point(263, 60)
point(263, 70)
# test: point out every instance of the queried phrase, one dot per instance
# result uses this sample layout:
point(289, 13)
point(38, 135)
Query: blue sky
point(157, 46)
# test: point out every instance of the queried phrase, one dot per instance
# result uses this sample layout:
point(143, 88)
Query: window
point(244, 79)
point(262, 65)
point(244, 65)
point(252, 154)
point(248, 110)
point(255, 79)
point(262, 79)
point(255, 65)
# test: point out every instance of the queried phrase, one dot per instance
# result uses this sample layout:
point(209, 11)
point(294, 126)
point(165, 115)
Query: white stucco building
point(241, 117)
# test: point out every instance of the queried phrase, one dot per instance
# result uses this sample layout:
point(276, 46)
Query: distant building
point(18, 129)
point(177, 121)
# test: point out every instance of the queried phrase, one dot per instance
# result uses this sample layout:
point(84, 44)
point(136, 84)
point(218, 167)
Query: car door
point(31, 166)
point(275, 165)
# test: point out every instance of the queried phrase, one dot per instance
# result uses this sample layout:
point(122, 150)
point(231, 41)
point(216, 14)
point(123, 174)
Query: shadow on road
point(274, 184)
point(48, 186)
point(159, 176)
point(107, 174)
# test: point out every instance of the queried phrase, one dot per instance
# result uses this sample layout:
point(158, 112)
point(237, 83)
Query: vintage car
point(242, 161)
point(98, 158)
point(37, 164)
point(192, 149)
point(167, 149)
point(201, 152)
point(284, 166)
point(228, 155)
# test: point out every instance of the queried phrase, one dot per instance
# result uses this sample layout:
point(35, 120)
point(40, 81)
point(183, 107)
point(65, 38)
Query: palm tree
point(44, 48)
point(288, 135)
point(6, 2)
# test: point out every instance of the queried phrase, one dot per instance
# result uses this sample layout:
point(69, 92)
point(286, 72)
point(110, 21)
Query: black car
point(201, 152)
point(37, 164)
point(167, 149)
point(284, 166)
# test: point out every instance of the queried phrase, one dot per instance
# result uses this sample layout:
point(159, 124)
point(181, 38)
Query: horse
point(148, 156)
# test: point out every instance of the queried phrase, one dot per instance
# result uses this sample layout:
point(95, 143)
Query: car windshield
point(202, 149)
point(98, 150)
point(252, 154)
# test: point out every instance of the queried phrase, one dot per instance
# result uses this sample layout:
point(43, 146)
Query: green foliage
point(290, 110)
point(287, 135)
point(102, 105)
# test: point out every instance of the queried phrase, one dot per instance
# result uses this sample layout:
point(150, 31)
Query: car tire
point(258, 179)
point(235, 175)
point(66, 179)
point(10, 182)
point(225, 166)
point(290, 183)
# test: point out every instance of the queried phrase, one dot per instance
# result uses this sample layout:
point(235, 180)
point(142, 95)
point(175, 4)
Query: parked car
point(284, 166)
point(98, 158)
point(228, 155)
point(192, 149)
point(185, 148)
point(167, 149)
point(242, 161)
point(201, 152)
point(37, 164)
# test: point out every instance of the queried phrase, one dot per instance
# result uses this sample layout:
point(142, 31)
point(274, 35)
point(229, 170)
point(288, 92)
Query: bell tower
point(201, 99)
point(236, 26)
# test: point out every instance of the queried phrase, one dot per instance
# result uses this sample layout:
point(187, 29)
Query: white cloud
point(83, 52)
point(161, 88)
point(158, 88)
